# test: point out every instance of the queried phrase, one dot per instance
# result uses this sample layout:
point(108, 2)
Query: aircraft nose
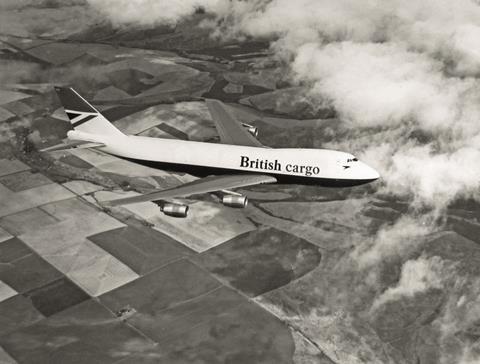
point(371, 173)
point(365, 172)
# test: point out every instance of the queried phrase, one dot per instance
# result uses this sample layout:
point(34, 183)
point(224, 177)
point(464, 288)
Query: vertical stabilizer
point(82, 115)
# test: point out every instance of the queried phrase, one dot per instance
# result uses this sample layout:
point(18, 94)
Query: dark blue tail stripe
point(84, 120)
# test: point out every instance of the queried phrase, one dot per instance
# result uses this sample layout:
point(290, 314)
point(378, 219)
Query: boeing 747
point(239, 160)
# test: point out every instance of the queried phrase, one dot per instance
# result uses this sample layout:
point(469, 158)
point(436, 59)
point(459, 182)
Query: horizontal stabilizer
point(72, 145)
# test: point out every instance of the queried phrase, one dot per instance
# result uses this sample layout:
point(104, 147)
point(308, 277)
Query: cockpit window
point(352, 160)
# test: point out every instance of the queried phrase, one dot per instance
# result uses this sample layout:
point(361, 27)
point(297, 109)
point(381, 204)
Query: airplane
point(239, 160)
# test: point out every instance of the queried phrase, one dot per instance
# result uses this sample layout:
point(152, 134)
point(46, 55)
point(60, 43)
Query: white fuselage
point(317, 165)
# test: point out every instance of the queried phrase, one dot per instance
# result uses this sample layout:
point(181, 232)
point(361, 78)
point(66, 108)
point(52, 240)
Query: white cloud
point(434, 178)
point(150, 12)
point(405, 235)
point(378, 84)
point(417, 276)
point(433, 26)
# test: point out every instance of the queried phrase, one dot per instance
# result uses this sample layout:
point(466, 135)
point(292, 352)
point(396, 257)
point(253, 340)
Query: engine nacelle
point(251, 129)
point(238, 201)
point(174, 210)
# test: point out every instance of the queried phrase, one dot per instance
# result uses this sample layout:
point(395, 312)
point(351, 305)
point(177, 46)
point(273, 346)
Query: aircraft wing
point(202, 185)
point(229, 129)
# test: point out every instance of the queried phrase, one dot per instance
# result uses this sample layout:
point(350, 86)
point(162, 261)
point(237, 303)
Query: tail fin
point(83, 116)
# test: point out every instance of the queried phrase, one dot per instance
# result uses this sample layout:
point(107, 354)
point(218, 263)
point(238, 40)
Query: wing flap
point(229, 129)
point(202, 185)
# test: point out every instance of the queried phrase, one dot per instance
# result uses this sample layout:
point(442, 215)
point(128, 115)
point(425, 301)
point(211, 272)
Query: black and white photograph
point(239, 182)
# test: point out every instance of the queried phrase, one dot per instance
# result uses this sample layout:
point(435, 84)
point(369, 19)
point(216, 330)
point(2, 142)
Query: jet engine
point(238, 201)
point(174, 210)
point(251, 129)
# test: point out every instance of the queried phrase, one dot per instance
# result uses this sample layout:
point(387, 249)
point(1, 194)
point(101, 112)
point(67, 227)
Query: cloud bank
point(387, 66)
point(149, 13)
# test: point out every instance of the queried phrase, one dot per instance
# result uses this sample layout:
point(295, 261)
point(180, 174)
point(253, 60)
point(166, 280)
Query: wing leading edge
point(229, 129)
point(202, 185)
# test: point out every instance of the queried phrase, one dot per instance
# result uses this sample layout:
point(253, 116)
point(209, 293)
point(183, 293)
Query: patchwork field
point(57, 254)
